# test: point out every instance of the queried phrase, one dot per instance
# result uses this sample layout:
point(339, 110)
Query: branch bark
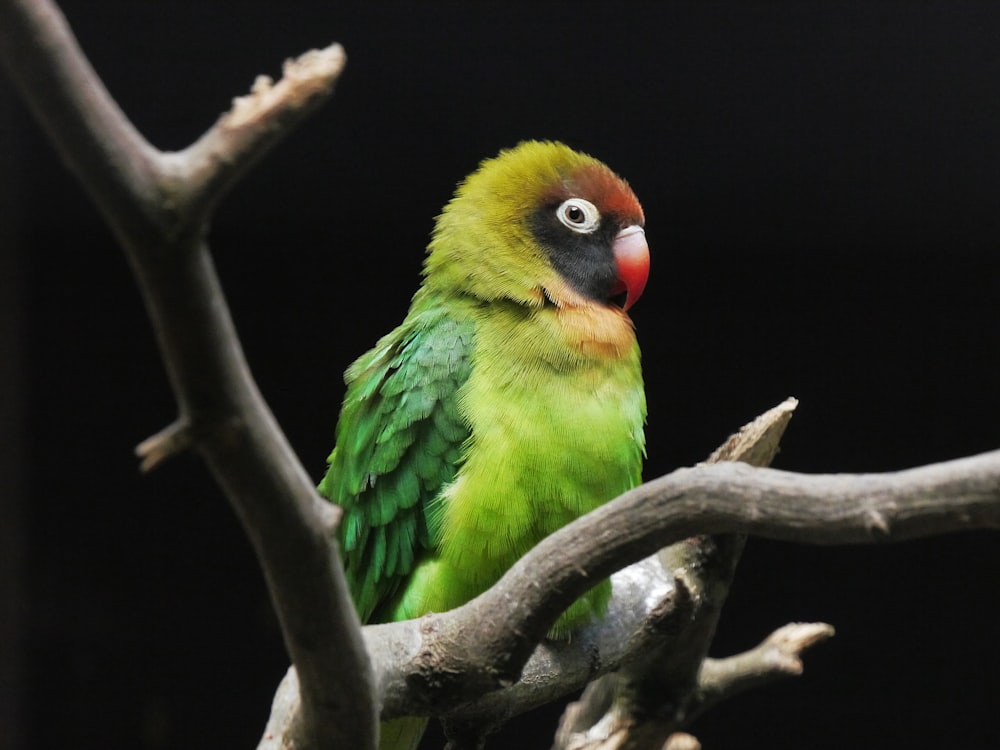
point(474, 651)
point(778, 656)
point(158, 205)
point(642, 704)
point(734, 498)
point(445, 663)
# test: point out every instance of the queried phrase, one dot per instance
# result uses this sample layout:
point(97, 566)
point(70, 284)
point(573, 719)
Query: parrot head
point(541, 224)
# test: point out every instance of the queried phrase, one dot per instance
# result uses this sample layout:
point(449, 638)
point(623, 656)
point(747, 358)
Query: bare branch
point(776, 657)
point(443, 663)
point(642, 704)
point(158, 206)
point(682, 741)
point(284, 713)
point(957, 495)
point(645, 602)
point(169, 441)
point(210, 166)
point(758, 442)
point(643, 598)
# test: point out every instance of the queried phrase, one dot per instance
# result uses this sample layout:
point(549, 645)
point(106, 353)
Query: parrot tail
point(402, 734)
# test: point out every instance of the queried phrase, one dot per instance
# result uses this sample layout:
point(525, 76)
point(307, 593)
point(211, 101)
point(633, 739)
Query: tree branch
point(778, 656)
point(957, 495)
point(159, 206)
point(216, 161)
point(645, 701)
point(732, 498)
point(441, 663)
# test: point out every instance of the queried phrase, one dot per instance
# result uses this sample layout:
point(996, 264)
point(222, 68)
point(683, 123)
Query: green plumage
point(399, 441)
point(508, 403)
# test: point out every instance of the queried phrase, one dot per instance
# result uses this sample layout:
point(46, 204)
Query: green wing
point(399, 441)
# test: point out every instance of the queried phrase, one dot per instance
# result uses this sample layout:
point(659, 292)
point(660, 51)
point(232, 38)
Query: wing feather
point(399, 442)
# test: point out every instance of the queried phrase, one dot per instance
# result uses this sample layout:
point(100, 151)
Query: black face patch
point(586, 261)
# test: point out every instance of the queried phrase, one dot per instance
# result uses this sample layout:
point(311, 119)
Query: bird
point(508, 402)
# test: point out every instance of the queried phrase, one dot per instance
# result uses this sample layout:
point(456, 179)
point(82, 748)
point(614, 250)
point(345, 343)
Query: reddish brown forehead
point(602, 187)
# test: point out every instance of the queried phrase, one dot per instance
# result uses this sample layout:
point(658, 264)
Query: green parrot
point(510, 400)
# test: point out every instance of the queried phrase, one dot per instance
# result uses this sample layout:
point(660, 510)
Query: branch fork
point(158, 204)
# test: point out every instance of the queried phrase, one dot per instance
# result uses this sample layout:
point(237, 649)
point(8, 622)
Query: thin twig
point(778, 656)
point(215, 162)
point(168, 442)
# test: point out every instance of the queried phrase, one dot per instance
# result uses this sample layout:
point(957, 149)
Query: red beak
point(632, 261)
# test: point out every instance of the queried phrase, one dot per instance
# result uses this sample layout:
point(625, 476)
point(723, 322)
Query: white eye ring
point(579, 215)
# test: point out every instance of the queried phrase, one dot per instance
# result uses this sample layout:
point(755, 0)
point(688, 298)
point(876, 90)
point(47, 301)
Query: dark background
point(821, 184)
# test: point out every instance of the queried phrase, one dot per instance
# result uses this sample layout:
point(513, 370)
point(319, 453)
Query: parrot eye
point(579, 215)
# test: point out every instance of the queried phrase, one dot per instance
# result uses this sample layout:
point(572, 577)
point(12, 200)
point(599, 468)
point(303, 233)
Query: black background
point(821, 184)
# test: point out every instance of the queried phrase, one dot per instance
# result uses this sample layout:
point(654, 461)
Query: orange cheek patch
point(593, 329)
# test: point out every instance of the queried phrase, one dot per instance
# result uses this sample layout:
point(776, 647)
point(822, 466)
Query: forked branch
point(466, 663)
point(159, 204)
